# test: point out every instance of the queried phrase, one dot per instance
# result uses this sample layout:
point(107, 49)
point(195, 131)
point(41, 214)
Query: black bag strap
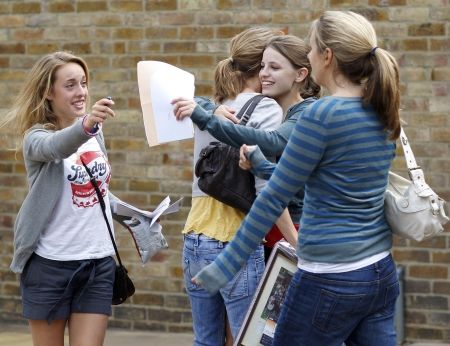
point(103, 206)
point(246, 111)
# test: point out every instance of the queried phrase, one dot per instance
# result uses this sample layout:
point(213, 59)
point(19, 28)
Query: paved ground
point(19, 336)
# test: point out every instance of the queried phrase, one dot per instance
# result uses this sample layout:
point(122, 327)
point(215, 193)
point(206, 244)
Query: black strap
point(103, 206)
point(246, 111)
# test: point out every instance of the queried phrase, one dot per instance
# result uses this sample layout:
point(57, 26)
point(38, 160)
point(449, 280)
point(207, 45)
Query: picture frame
point(260, 321)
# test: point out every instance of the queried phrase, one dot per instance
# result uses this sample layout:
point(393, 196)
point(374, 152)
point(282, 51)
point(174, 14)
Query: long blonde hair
point(353, 41)
point(246, 50)
point(31, 106)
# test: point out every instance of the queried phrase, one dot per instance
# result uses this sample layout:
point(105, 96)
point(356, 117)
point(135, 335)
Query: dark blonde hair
point(353, 41)
point(295, 50)
point(246, 50)
point(31, 106)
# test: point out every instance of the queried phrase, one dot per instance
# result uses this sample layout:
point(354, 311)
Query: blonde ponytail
point(353, 41)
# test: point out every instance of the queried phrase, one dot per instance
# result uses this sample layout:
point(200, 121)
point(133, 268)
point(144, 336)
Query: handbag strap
point(247, 109)
point(415, 172)
point(409, 155)
point(103, 207)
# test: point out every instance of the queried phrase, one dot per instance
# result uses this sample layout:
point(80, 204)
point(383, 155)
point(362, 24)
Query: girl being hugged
point(340, 152)
point(62, 247)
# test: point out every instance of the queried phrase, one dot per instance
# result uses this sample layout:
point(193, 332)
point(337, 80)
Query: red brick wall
point(114, 35)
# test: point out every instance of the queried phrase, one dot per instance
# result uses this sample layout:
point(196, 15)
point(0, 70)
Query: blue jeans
point(233, 300)
point(355, 307)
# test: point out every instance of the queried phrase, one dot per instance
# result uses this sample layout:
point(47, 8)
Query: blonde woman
point(340, 152)
point(62, 247)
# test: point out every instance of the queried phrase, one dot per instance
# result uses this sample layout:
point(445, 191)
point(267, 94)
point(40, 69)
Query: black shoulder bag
point(218, 171)
point(123, 287)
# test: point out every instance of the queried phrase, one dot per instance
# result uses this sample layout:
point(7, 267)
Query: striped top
point(340, 154)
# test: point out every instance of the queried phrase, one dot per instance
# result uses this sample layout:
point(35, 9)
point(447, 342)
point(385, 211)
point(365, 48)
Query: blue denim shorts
point(52, 290)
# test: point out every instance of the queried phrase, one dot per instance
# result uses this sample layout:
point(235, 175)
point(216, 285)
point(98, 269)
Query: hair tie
point(372, 51)
point(230, 59)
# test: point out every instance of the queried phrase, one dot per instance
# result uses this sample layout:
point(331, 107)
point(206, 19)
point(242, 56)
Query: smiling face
point(277, 74)
point(69, 94)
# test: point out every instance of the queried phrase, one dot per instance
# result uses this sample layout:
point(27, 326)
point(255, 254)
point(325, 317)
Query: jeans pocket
point(237, 288)
point(390, 297)
point(333, 310)
point(190, 269)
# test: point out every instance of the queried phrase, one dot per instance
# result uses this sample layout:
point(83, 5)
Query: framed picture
point(262, 316)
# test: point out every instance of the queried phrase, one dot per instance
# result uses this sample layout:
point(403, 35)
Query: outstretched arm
point(271, 142)
point(299, 159)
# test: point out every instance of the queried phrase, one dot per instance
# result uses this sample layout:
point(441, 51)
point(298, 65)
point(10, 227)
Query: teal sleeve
point(261, 167)
point(205, 103)
point(271, 143)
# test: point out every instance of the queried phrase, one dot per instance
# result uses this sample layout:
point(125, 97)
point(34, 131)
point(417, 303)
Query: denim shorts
point(52, 290)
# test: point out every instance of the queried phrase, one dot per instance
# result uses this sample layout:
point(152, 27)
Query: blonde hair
point(246, 50)
point(353, 41)
point(31, 106)
point(296, 51)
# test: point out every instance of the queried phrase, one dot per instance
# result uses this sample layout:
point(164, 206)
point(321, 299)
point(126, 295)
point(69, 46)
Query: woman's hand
point(244, 162)
point(101, 111)
point(183, 107)
point(226, 112)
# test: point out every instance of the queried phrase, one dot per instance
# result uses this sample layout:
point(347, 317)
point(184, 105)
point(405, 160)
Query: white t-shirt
point(78, 229)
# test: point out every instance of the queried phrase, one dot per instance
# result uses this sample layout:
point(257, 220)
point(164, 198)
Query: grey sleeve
point(43, 145)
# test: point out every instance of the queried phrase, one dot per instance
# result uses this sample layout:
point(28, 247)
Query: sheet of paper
point(159, 83)
point(163, 208)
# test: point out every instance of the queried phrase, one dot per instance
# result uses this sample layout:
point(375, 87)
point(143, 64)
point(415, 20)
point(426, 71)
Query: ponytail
point(352, 39)
point(383, 91)
point(228, 82)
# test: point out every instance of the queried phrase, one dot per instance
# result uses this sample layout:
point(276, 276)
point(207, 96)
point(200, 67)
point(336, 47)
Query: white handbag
point(413, 210)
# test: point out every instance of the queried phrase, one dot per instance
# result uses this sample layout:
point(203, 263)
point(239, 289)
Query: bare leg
point(228, 335)
point(87, 329)
point(44, 334)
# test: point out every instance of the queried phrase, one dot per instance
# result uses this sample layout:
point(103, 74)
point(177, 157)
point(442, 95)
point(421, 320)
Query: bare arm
point(287, 228)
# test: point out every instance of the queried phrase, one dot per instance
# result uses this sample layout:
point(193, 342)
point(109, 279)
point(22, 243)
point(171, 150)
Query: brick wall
point(113, 35)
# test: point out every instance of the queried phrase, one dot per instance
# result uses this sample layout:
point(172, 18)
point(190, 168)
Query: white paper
point(159, 83)
point(163, 208)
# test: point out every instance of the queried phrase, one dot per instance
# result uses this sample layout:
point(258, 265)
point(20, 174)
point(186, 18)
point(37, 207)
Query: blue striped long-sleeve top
point(340, 154)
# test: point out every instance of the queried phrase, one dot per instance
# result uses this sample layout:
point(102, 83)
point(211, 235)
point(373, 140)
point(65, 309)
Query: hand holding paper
point(160, 83)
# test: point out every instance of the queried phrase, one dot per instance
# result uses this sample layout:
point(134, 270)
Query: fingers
point(183, 108)
point(244, 163)
point(101, 110)
point(227, 113)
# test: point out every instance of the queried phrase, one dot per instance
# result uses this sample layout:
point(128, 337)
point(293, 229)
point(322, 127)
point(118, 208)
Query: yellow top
point(212, 218)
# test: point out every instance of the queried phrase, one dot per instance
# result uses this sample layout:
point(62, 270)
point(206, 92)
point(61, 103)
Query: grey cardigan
point(43, 152)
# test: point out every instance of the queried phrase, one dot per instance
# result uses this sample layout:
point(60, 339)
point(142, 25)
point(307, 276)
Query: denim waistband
point(199, 237)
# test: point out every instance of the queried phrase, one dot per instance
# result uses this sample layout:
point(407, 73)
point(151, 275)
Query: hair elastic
point(372, 51)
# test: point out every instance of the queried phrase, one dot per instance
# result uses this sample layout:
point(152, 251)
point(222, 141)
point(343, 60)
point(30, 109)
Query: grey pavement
point(13, 335)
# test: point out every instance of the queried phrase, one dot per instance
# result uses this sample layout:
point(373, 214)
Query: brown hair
point(353, 41)
point(31, 106)
point(296, 51)
point(246, 50)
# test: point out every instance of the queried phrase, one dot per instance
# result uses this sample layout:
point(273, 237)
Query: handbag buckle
point(411, 176)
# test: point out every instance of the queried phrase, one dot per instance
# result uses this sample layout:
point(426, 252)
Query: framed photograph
point(262, 316)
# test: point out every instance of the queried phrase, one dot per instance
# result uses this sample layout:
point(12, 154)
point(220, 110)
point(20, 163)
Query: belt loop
point(197, 239)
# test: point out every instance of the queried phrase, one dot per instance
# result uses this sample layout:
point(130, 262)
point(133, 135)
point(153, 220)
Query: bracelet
point(91, 132)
